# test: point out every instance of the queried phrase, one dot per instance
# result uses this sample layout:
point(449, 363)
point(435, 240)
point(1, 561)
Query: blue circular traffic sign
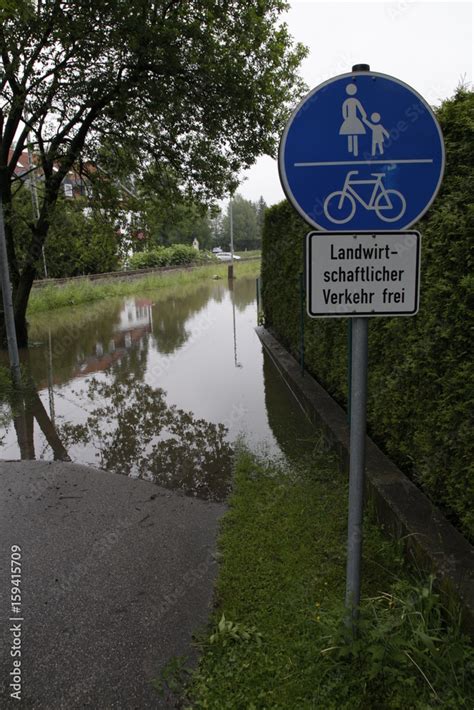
point(363, 151)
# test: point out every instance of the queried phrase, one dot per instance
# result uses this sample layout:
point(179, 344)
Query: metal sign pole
point(358, 329)
point(357, 464)
point(8, 304)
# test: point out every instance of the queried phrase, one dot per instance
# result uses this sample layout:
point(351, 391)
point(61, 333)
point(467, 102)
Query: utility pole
point(8, 304)
point(230, 270)
point(34, 196)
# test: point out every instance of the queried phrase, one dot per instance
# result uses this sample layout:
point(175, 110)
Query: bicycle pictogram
point(388, 204)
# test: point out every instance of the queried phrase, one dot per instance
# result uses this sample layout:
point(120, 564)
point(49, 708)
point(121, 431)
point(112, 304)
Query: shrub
point(421, 380)
point(180, 254)
point(175, 255)
point(148, 259)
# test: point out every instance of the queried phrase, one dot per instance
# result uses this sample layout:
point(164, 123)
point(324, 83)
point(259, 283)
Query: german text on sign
point(363, 274)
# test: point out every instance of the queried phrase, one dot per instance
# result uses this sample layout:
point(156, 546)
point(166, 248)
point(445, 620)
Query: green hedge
point(175, 255)
point(421, 375)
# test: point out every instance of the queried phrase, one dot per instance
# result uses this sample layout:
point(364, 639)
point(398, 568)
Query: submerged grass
point(78, 292)
point(277, 639)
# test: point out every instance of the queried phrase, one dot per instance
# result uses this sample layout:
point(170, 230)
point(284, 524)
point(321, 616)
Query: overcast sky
point(428, 45)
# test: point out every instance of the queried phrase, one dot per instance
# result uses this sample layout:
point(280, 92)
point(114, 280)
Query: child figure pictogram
point(379, 133)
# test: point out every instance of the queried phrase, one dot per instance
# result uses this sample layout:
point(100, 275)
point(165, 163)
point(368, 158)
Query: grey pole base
point(357, 465)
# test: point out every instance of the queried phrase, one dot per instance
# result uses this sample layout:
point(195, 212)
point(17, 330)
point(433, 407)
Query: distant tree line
point(247, 221)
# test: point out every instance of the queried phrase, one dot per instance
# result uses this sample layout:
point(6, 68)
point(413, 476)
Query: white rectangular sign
point(362, 274)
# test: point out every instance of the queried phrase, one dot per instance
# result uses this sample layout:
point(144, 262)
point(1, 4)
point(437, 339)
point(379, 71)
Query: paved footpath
point(117, 574)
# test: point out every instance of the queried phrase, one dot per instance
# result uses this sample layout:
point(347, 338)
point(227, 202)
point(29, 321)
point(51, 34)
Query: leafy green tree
point(81, 243)
point(82, 239)
point(217, 228)
point(261, 207)
point(247, 232)
point(193, 91)
point(179, 223)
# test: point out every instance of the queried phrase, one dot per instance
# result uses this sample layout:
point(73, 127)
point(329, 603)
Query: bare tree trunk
point(24, 426)
point(21, 304)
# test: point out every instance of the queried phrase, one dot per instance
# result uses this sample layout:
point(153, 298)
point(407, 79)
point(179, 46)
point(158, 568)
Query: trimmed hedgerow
point(174, 255)
point(421, 374)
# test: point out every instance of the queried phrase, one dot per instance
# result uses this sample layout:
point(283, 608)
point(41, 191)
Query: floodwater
point(158, 386)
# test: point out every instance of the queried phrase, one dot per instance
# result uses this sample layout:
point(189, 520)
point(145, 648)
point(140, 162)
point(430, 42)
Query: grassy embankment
point(248, 254)
point(77, 292)
point(276, 638)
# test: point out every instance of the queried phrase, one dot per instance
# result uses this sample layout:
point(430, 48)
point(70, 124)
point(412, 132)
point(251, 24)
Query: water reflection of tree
point(245, 292)
point(67, 339)
point(295, 435)
point(72, 334)
point(31, 409)
point(171, 315)
point(25, 407)
point(138, 434)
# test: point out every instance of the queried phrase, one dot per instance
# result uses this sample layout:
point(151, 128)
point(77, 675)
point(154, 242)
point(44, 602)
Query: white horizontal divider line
point(362, 162)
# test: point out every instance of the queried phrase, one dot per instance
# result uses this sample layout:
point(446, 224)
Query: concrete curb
point(404, 510)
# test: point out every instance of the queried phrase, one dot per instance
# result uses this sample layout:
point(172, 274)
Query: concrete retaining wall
point(430, 540)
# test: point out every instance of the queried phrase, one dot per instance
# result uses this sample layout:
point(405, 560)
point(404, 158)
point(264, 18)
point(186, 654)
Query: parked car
point(217, 250)
point(226, 256)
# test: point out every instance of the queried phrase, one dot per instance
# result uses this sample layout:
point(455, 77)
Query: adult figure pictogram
point(352, 126)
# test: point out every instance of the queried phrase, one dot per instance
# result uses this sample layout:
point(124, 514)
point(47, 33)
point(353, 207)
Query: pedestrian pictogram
point(356, 121)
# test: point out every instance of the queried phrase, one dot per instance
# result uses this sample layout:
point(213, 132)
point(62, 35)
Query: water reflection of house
point(135, 321)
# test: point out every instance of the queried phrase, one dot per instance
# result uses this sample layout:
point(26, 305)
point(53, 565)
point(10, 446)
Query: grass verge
point(248, 254)
point(76, 293)
point(276, 637)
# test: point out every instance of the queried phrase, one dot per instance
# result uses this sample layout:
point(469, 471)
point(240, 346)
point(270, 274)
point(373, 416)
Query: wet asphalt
point(116, 576)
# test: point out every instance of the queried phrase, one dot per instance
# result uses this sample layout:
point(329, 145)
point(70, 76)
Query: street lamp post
point(34, 198)
point(230, 270)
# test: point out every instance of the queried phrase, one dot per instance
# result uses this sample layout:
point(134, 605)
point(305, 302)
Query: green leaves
point(230, 632)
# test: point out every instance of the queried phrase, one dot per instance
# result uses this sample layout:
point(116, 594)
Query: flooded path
point(159, 387)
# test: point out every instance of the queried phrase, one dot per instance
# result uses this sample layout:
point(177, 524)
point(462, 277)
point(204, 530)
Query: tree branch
point(41, 43)
point(18, 150)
